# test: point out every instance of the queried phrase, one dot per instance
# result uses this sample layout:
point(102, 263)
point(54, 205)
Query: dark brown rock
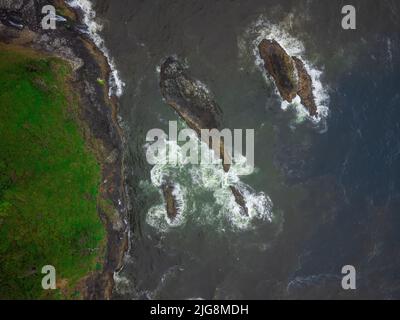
point(240, 200)
point(188, 97)
point(191, 100)
point(171, 205)
point(305, 88)
point(281, 68)
point(289, 74)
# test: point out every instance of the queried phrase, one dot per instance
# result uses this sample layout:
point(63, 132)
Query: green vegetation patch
point(49, 180)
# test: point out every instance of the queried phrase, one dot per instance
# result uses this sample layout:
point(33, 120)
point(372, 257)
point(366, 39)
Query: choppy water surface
point(325, 191)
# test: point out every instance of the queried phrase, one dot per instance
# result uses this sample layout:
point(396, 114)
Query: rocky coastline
point(20, 27)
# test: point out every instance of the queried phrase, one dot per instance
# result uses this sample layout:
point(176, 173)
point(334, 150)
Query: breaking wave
point(93, 31)
point(210, 200)
point(263, 29)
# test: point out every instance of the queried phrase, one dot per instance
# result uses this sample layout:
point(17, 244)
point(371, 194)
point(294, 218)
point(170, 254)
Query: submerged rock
point(289, 74)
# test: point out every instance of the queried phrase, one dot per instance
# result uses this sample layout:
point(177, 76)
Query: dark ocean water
point(335, 192)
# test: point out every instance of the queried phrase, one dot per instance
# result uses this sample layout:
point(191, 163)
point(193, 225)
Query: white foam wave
point(263, 29)
point(93, 30)
point(259, 206)
point(157, 216)
point(205, 179)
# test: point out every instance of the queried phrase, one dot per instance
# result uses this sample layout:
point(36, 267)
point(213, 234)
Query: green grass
point(101, 82)
point(49, 180)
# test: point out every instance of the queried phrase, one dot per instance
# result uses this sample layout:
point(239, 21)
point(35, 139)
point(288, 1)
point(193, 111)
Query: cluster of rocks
point(197, 107)
point(289, 74)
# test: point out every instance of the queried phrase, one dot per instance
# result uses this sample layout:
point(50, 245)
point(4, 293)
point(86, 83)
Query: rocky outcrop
point(196, 106)
point(305, 88)
point(289, 74)
point(188, 97)
point(281, 68)
point(239, 198)
point(191, 100)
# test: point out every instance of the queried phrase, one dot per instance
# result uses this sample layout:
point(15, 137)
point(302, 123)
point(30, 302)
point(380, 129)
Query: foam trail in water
point(93, 30)
point(202, 179)
point(263, 29)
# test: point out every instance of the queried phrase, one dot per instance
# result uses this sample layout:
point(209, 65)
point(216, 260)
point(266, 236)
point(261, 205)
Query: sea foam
point(223, 212)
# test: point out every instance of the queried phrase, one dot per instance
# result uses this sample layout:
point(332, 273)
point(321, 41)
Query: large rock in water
point(281, 67)
point(196, 106)
point(289, 74)
point(188, 97)
point(191, 100)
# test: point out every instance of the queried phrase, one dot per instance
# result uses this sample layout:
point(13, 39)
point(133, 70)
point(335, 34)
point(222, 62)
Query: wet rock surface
point(289, 74)
point(190, 99)
point(171, 204)
point(281, 68)
point(305, 88)
point(239, 198)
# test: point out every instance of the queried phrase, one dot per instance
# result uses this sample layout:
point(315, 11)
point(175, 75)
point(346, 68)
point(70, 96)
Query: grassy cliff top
point(49, 180)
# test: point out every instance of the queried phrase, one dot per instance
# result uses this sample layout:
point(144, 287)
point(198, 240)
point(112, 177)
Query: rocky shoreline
point(20, 27)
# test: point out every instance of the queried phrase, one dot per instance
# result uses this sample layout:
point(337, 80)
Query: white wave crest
point(93, 30)
point(206, 179)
